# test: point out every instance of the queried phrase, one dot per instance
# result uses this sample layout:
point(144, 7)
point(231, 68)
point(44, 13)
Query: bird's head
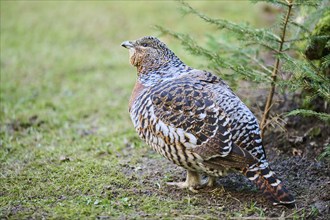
point(149, 54)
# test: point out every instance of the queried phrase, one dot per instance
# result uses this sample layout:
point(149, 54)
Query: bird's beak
point(127, 44)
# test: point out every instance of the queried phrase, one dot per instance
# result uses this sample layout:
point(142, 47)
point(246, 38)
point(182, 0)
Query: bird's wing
point(187, 113)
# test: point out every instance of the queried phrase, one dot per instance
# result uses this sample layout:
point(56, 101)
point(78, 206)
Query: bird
point(194, 119)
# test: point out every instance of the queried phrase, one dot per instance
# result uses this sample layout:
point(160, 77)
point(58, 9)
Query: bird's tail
point(270, 185)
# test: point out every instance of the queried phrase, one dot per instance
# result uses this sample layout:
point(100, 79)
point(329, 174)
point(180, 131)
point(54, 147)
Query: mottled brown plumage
point(194, 119)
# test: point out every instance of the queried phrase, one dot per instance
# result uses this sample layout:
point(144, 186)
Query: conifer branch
point(309, 113)
point(275, 72)
point(262, 45)
point(259, 35)
point(248, 56)
point(262, 66)
point(296, 40)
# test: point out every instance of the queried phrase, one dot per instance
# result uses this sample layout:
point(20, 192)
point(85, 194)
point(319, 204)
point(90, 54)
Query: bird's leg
point(193, 182)
point(211, 181)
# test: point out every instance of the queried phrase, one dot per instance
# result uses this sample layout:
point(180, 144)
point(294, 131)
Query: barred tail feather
point(270, 185)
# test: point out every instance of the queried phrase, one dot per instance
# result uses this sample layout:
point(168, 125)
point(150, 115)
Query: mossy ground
point(68, 149)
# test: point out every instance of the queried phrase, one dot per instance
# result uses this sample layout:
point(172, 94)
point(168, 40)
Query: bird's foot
point(183, 185)
point(192, 182)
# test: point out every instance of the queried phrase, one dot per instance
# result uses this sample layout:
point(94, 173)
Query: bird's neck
point(150, 75)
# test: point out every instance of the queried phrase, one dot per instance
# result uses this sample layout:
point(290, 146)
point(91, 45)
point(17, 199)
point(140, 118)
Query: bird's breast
point(137, 90)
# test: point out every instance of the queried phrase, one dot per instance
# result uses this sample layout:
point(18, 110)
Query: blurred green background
point(65, 85)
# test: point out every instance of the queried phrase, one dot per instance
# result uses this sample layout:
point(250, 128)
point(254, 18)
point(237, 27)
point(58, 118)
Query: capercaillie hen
point(194, 119)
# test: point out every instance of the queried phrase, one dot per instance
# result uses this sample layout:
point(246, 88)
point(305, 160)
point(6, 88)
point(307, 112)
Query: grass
point(68, 148)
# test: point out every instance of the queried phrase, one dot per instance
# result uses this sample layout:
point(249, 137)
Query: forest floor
point(68, 149)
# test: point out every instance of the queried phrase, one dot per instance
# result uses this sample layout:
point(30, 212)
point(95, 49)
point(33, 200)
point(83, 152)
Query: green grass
point(66, 135)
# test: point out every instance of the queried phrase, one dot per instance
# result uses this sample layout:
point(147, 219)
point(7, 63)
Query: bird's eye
point(144, 44)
